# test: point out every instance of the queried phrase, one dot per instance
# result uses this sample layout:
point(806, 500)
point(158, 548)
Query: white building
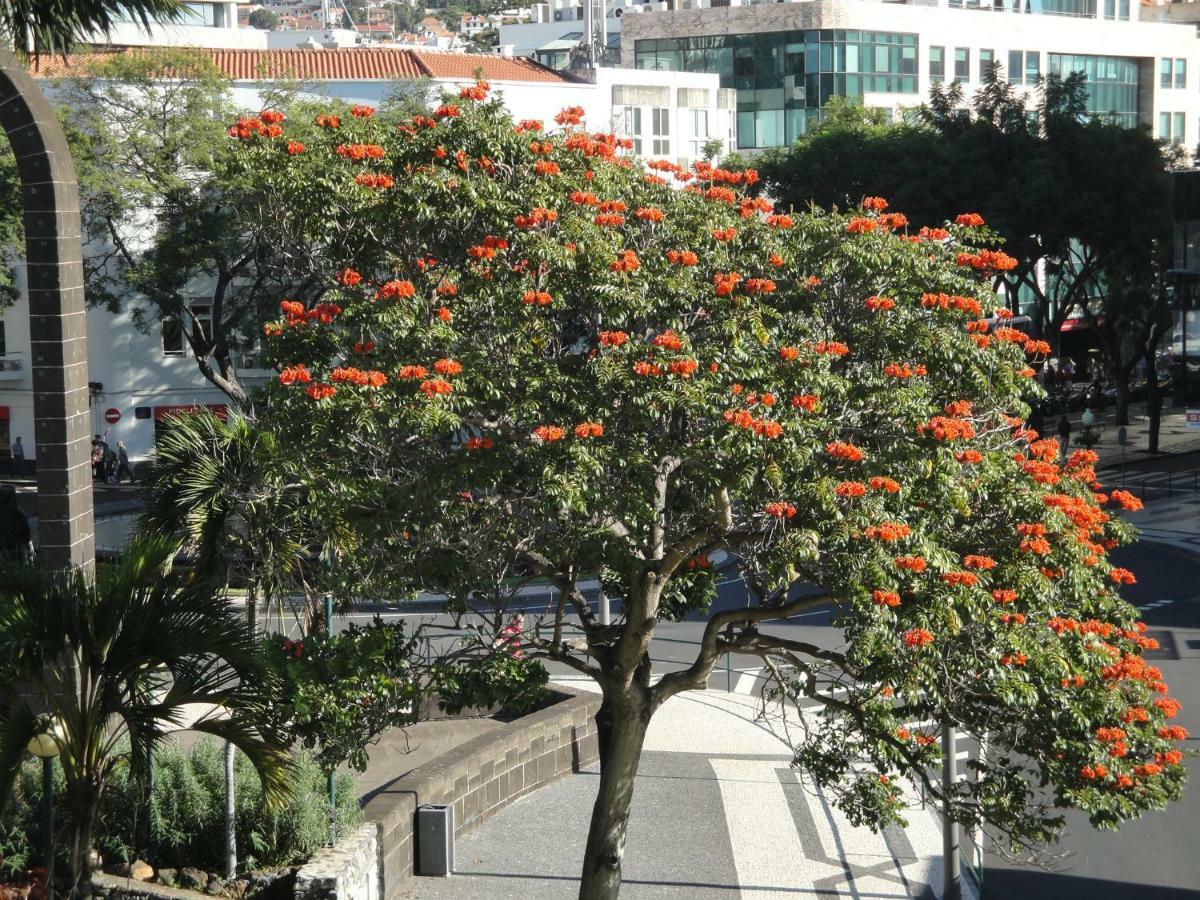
point(785, 59)
point(139, 378)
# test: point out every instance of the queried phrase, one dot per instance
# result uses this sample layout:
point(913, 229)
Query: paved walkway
point(718, 813)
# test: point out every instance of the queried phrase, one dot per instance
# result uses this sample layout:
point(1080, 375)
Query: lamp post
point(45, 747)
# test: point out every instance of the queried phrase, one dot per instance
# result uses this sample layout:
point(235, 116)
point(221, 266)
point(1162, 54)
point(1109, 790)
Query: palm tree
point(108, 666)
point(221, 488)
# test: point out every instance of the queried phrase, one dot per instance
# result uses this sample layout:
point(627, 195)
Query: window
point(1024, 66)
point(1110, 9)
point(937, 63)
point(1166, 74)
point(172, 337)
point(1178, 129)
point(1181, 73)
point(661, 129)
point(962, 64)
point(697, 122)
point(3, 340)
point(987, 59)
point(1171, 127)
point(1123, 10)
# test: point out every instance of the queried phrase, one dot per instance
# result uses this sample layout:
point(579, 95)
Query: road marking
point(746, 681)
point(767, 853)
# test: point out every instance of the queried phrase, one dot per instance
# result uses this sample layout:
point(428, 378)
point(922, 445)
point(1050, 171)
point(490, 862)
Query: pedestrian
point(1068, 371)
point(123, 463)
point(18, 457)
point(1064, 435)
point(97, 458)
point(14, 527)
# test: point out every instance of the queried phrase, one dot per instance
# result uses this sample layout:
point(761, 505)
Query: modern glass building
point(1112, 83)
point(784, 78)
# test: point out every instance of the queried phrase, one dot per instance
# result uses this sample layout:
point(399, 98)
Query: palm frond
point(55, 26)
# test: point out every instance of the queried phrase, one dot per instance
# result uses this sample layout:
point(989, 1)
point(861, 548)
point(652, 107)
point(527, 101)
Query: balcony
point(12, 367)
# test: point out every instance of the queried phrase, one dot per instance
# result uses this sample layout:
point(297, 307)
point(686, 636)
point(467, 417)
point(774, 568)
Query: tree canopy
point(536, 357)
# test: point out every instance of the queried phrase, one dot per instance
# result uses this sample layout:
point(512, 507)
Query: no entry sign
point(112, 415)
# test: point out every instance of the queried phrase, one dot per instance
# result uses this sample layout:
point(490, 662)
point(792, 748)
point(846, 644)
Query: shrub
point(183, 822)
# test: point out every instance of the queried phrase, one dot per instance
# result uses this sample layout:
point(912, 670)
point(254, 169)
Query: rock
point(141, 871)
point(216, 887)
point(96, 860)
point(166, 877)
point(194, 879)
point(237, 888)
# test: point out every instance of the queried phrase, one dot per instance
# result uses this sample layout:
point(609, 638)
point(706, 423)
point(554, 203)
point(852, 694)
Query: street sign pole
point(951, 881)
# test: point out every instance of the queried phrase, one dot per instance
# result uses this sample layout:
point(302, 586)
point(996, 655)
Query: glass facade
point(1111, 81)
point(784, 78)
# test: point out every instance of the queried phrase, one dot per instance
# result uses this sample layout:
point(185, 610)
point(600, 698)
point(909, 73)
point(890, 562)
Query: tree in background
point(1029, 172)
point(532, 349)
point(264, 19)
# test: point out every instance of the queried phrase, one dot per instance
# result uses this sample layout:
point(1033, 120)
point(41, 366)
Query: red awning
point(3, 413)
point(1077, 322)
point(164, 412)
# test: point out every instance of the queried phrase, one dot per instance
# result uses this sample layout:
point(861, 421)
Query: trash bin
point(435, 840)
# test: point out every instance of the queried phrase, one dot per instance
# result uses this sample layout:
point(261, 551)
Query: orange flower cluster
point(320, 391)
point(626, 262)
point(644, 367)
point(969, 456)
point(725, 282)
point(1014, 659)
point(969, 305)
point(1118, 575)
point(295, 375)
point(1096, 772)
point(589, 430)
point(888, 531)
point(650, 214)
point(476, 92)
point(447, 111)
point(944, 428)
point(724, 234)
point(697, 563)
point(1168, 706)
point(807, 402)
point(684, 368)
point(860, 225)
point(248, 126)
point(965, 579)
point(774, 221)
point(412, 372)
point(349, 278)
point(911, 563)
point(990, 260)
point(546, 167)
point(294, 148)
point(958, 408)
point(1012, 618)
point(880, 303)
point(1173, 732)
point(376, 181)
point(549, 433)
point(682, 257)
point(360, 151)
point(974, 561)
point(917, 637)
point(892, 221)
point(850, 489)
point(361, 111)
point(932, 234)
point(1002, 595)
point(480, 443)
point(569, 115)
point(536, 217)
point(874, 204)
point(720, 195)
point(395, 290)
point(759, 286)
point(541, 298)
point(973, 220)
point(609, 220)
point(528, 125)
point(448, 367)
point(781, 509)
point(885, 598)
point(613, 338)
point(788, 354)
point(668, 340)
point(295, 313)
point(328, 122)
point(363, 378)
point(831, 348)
point(883, 483)
point(436, 386)
point(767, 428)
point(903, 370)
point(843, 450)
point(488, 249)
point(1125, 499)
point(364, 347)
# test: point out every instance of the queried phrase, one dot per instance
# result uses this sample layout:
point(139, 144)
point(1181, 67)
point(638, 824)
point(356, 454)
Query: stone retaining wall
point(479, 778)
point(347, 871)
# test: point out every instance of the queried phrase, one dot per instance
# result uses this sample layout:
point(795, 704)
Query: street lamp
point(45, 747)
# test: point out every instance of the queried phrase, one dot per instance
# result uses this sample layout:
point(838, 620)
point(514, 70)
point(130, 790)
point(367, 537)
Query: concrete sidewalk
point(718, 812)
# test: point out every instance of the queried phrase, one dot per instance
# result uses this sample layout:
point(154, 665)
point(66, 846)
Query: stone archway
point(57, 324)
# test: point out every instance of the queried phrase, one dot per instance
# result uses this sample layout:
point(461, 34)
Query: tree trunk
point(1121, 379)
point(83, 802)
point(621, 723)
point(230, 815)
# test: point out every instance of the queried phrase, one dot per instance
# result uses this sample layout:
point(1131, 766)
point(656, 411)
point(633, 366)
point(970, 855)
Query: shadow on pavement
point(1004, 884)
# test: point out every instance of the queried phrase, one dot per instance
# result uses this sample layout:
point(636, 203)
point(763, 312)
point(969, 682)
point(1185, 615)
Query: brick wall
point(480, 778)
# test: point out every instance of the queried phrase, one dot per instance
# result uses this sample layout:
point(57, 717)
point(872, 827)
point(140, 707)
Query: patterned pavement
point(718, 813)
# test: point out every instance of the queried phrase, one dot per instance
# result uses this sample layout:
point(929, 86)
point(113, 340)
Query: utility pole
point(951, 880)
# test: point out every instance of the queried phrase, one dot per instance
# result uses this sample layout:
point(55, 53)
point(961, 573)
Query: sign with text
point(1193, 418)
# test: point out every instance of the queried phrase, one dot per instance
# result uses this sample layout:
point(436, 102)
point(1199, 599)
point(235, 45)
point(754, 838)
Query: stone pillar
point(57, 325)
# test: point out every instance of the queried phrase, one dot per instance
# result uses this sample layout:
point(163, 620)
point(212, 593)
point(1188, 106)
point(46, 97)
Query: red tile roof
point(340, 64)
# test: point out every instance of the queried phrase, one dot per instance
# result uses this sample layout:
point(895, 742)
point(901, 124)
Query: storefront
point(164, 415)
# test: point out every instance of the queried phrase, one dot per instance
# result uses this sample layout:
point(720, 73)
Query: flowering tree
point(536, 356)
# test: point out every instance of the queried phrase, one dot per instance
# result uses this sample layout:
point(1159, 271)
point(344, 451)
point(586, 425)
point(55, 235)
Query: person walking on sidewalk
point(1064, 436)
point(123, 463)
point(18, 457)
point(14, 527)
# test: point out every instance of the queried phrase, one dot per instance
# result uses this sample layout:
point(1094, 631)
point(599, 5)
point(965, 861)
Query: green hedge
point(183, 822)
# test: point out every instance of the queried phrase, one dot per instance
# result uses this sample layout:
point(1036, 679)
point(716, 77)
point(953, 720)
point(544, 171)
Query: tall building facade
point(785, 60)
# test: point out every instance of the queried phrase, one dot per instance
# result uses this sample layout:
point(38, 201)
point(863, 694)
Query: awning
point(560, 44)
point(1077, 322)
